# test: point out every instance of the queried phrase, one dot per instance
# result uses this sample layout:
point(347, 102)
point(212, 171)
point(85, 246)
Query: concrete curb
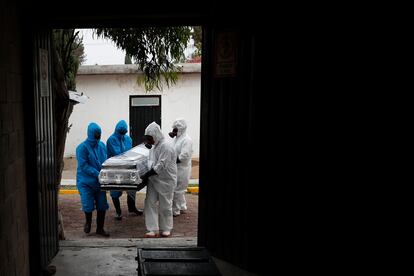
point(68, 192)
point(192, 190)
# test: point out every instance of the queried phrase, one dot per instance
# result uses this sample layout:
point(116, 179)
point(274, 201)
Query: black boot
point(131, 206)
point(100, 221)
point(117, 206)
point(87, 227)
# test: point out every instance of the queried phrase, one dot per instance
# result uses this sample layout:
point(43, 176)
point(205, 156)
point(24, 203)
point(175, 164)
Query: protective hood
point(181, 126)
point(121, 128)
point(92, 129)
point(154, 130)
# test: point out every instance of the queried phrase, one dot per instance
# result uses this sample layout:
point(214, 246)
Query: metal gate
point(45, 182)
point(143, 110)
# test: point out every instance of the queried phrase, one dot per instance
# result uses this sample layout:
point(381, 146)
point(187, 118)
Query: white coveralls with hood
point(183, 146)
point(162, 159)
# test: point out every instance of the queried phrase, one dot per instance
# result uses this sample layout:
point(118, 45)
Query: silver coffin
point(124, 171)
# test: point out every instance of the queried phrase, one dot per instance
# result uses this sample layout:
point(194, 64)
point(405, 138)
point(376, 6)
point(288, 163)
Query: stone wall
point(14, 237)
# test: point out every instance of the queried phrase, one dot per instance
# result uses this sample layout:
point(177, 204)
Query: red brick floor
point(130, 226)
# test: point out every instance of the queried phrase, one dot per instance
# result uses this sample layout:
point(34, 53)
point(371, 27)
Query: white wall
point(109, 103)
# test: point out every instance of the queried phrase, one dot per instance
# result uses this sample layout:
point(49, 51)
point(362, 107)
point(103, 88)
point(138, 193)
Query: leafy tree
point(197, 37)
point(67, 55)
point(70, 52)
point(156, 51)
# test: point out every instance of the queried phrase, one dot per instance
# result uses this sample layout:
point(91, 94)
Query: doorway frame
point(143, 96)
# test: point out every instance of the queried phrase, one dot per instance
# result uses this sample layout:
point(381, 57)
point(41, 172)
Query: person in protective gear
point(90, 155)
point(183, 146)
point(118, 143)
point(161, 179)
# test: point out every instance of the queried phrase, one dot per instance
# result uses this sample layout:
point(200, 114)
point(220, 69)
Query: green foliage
point(197, 36)
point(156, 51)
point(70, 51)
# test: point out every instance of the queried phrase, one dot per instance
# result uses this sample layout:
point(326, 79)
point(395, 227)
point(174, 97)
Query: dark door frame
point(208, 118)
point(142, 96)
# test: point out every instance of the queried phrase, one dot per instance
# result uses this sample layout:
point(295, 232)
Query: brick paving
point(130, 226)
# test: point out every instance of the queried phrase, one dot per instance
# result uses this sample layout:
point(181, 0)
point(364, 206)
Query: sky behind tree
point(104, 52)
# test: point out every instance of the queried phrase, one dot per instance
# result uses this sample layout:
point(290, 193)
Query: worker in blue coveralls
point(118, 143)
point(90, 155)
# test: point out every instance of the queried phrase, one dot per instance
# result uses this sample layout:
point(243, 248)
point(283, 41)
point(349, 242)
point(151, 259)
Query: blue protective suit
point(116, 144)
point(90, 155)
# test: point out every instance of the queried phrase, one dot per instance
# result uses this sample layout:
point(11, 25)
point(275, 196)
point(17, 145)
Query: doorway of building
point(228, 121)
point(113, 93)
point(143, 110)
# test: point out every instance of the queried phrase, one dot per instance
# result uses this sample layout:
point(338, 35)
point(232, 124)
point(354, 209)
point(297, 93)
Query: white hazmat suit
point(160, 189)
point(183, 146)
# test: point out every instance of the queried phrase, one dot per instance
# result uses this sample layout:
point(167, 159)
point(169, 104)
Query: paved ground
point(115, 257)
point(107, 256)
point(130, 226)
point(88, 254)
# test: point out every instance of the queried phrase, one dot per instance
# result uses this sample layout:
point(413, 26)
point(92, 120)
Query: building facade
point(111, 88)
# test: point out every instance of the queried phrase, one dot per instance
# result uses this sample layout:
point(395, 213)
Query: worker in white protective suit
point(183, 146)
point(161, 181)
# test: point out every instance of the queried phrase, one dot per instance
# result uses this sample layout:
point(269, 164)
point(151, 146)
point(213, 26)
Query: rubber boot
point(131, 206)
point(100, 221)
point(117, 206)
point(87, 227)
